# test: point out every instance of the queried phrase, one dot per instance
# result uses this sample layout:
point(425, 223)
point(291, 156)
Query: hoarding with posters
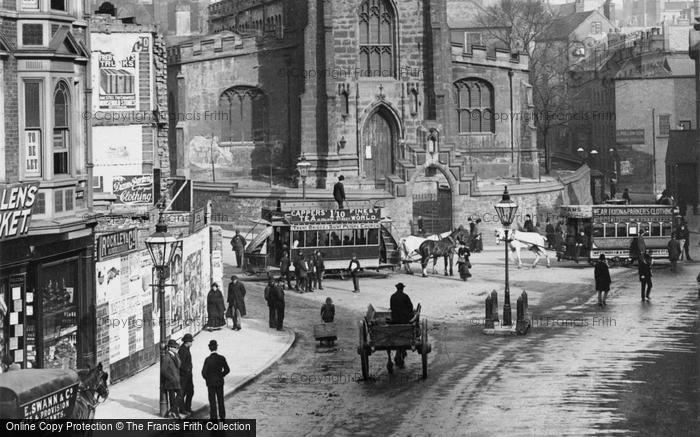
point(116, 62)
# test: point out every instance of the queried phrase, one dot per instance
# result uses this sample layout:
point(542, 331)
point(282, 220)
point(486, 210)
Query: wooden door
point(377, 148)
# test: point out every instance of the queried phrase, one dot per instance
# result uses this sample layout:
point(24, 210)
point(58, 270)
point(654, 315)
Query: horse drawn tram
point(610, 229)
point(337, 233)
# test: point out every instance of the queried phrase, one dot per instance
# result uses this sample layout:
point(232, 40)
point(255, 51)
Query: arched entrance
point(378, 148)
point(432, 203)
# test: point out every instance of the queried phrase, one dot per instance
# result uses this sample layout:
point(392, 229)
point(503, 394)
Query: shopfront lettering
point(54, 406)
point(16, 204)
point(116, 243)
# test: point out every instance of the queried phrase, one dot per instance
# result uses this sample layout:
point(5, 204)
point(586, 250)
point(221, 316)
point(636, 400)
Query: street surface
point(627, 368)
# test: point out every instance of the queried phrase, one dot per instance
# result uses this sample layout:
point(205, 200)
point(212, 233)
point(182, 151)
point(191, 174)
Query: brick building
point(374, 90)
point(46, 268)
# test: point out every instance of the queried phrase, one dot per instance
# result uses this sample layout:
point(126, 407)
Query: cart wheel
point(362, 349)
point(425, 348)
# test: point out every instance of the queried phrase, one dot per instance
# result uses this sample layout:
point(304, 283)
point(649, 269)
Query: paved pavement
point(249, 352)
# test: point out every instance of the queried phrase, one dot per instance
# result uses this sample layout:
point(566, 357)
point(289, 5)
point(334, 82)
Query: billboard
point(133, 189)
point(116, 63)
point(16, 204)
point(117, 151)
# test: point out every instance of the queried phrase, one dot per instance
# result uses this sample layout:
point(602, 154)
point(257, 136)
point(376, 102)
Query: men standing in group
point(674, 252)
point(645, 276)
point(214, 370)
point(236, 301)
point(320, 266)
point(354, 268)
point(238, 245)
point(602, 280)
point(170, 379)
point(302, 269)
point(339, 191)
point(186, 383)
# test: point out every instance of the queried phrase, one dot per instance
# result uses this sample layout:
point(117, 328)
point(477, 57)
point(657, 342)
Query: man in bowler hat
point(186, 383)
point(214, 370)
point(170, 379)
point(339, 191)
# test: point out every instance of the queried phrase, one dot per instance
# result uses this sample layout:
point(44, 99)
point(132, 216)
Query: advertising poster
point(115, 69)
point(117, 151)
point(108, 280)
point(133, 189)
point(16, 204)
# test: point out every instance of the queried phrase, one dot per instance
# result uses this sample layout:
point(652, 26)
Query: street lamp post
point(162, 246)
point(303, 168)
point(506, 209)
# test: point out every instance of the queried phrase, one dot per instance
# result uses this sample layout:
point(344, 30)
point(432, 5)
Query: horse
point(532, 241)
point(445, 247)
point(409, 248)
point(92, 390)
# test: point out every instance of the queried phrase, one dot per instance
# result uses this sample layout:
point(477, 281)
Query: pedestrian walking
point(279, 304)
point(674, 252)
point(528, 226)
point(320, 264)
point(645, 276)
point(186, 383)
point(170, 379)
point(270, 299)
point(626, 196)
point(328, 311)
point(549, 230)
point(602, 280)
point(214, 370)
point(354, 269)
point(339, 191)
point(303, 274)
point(216, 308)
point(472, 226)
point(684, 235)
point(285, 265)
point(236, 302)
point(638, 248)
point(238, 243)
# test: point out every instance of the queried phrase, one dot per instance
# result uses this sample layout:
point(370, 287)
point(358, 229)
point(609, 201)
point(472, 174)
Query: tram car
point(609, 229)
point(337, 233)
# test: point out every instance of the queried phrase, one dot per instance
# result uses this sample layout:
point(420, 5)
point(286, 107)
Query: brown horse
point(91, 391)
point(445, 247)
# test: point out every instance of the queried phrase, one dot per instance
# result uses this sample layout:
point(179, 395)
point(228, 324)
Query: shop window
point(68, 200)
point(40, 205)
point(59, 316)
point(58, 201)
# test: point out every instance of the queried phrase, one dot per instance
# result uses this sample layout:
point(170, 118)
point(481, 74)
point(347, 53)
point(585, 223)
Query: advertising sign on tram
point(335, 215)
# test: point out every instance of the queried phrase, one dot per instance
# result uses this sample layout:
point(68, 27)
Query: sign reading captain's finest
point(116, 243)
point(335, 215)
point(16, 204)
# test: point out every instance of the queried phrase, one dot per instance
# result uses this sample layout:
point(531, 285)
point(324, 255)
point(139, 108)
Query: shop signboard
point(133, 189)
point(16, 204)
point(116, 243)
point(334, 215)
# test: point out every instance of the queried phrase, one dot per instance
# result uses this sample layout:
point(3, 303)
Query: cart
point(46, 394)
point(376, 332)
point(326, 332)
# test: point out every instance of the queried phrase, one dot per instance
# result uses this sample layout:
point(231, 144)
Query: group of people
point(218, 312)
point(274, 296)
point(177, 381)
point(308, 273)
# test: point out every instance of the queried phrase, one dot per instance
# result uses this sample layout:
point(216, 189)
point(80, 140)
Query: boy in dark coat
point(236, 301)
point(214, 370)
point(602, 280)
point(270, 298)
point(328, 311)
point(278, 295)
point(186, 382)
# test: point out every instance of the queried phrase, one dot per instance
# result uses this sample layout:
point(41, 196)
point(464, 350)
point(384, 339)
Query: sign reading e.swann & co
point(56, 405)
point(335, 215)
point(16, 203)
point(116, 243)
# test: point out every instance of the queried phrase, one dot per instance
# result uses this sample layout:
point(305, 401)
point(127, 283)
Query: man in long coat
point(674, 252)
point(285, 265)
point(238, 245)
point(602, 280)
point(645, 276)
point(270, 299)
point(339, 191)
point(401, 312)
point(170, 379)
point(186, 382)
point(214, 370)
point(278, 293)
point(236, 301)
point(320, 265)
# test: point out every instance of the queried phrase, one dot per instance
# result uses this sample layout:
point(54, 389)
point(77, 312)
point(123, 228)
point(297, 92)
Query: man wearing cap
point(214, 370)
point(401, 312)
point(186, 374)
point(170, 379)
point(238, 245)
point(339, 191)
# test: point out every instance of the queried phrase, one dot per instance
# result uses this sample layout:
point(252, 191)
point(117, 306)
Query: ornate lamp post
point(162, 246)
point(303, 168)
point(506, 209)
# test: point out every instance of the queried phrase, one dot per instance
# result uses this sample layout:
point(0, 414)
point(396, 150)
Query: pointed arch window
point(474, 99)
point(244, 111)
point(61, 130)
point(377, 26)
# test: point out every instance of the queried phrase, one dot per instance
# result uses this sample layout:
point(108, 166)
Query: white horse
point(409, 247)
point(532, 241)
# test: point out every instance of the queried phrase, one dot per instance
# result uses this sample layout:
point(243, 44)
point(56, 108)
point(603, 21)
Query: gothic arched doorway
point(378, 148)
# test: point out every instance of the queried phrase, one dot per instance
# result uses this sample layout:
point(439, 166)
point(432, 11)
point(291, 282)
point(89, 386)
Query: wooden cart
point(326, 332)
point(377, 333)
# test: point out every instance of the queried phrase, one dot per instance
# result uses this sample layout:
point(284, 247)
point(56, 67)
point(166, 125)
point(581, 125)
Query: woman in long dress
point(215, 308)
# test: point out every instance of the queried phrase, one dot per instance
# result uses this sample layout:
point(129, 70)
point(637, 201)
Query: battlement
point(217, 44)
point(497, 57)
point(104, 23)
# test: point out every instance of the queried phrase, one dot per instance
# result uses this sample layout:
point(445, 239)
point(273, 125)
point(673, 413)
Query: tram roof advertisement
point(302, 216)
point(576, 211)
point(619, 213)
